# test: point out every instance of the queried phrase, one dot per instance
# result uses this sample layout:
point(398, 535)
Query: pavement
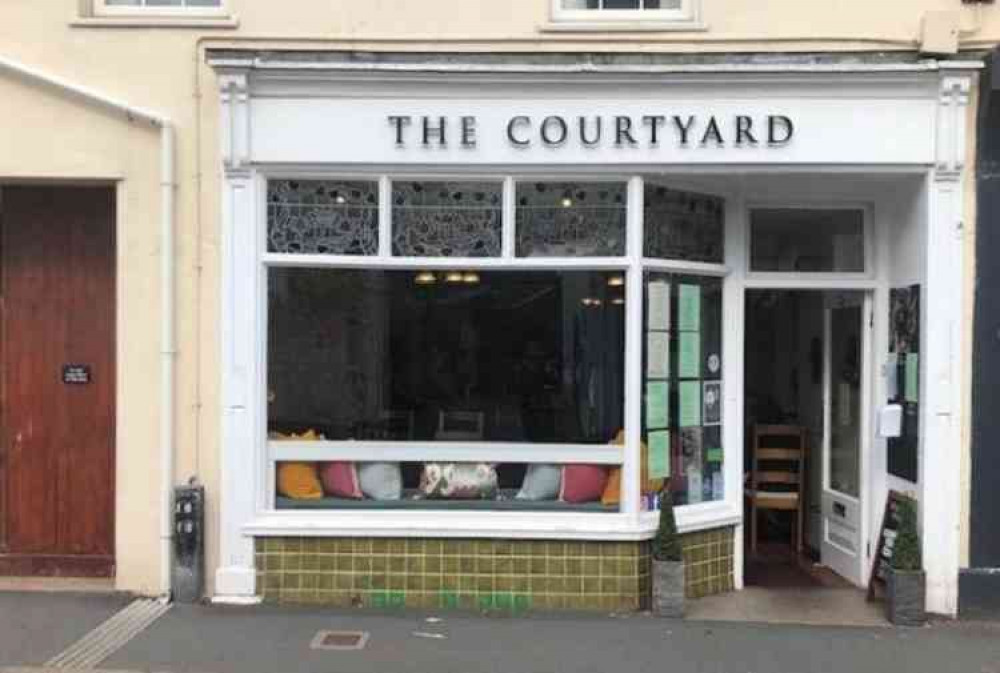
point(277, 639)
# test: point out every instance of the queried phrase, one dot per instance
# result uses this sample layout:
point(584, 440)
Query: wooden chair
point(777, 476)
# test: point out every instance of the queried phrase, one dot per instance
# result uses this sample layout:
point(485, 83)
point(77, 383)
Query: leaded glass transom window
point(447, 219)
point(683, 225)
point(322, 217)
point(571, 219)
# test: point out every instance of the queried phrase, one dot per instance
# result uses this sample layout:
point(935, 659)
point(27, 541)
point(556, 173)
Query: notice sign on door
point(76, 374)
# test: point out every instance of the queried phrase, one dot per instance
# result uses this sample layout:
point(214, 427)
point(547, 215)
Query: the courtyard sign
point(590, 131)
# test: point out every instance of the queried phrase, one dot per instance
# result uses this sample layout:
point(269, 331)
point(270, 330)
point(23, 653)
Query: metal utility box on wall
point(188, 570)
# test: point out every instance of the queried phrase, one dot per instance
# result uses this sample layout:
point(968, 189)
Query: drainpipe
point(168, 349)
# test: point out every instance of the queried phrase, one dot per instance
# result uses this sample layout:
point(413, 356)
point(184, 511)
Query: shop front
point(474, 317)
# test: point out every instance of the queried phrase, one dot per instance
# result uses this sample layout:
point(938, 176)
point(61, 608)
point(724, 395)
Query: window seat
point(505, 503)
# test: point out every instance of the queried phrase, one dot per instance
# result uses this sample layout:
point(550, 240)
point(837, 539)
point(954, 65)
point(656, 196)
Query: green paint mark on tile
point(485, 601)
point(503, 601)
point(379, 599)
point(448, 599)
point(397, 599)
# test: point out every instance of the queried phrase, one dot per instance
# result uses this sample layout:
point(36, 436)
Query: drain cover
point(339, 640)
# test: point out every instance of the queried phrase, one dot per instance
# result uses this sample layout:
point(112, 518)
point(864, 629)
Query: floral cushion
point(459, 481)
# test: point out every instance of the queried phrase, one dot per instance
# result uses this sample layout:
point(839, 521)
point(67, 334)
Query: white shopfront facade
point(887, 141)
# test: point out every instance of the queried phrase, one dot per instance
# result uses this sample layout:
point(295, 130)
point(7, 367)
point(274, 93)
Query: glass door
point(845, 371)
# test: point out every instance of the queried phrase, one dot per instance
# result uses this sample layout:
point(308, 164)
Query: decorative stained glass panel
point(683, 225)
point(447, 219)
point(322, 216)
point(571, 219)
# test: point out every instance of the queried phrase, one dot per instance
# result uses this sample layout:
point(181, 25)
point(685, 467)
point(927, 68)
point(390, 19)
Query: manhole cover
point(339, 640)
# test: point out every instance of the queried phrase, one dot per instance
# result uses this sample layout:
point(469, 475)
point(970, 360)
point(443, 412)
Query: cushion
point(541, 482)
point(299, 481)
point(613, 492)
point(459, 481)
point(340, 479)
point(583, 483)
point(380, 481)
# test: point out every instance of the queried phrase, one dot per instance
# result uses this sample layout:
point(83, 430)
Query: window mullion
point(508, 230)
point(384, 217)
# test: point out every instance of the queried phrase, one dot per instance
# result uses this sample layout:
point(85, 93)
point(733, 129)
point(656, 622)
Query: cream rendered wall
point(42, 134)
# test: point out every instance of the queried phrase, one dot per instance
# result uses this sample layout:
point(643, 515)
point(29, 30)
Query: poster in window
point(712, 402)
point(903, 382)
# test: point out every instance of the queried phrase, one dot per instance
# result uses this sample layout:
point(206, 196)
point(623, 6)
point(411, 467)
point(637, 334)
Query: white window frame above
point(686, 17)
point(102, 8)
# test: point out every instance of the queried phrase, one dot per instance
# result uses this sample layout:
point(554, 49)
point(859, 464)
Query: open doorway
point(804, 389)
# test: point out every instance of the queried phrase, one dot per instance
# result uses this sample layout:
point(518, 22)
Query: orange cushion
point(299, 481)
point(613, 491)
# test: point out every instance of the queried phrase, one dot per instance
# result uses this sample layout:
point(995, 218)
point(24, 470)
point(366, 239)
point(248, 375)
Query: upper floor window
point(159, 6)
point(602, 11)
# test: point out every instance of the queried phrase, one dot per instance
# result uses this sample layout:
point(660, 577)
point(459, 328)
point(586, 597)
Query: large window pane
point(322, 217)
point(446, 219)
point(845, 399)
point(682, 394)
point(683, 225)
point(446, 356)
point(807, 240)
point(571, 219)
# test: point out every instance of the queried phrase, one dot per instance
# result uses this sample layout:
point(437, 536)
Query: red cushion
point(340, 480)
point(583, 483)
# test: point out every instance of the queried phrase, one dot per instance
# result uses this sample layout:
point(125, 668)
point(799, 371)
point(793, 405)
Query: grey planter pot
point(668, 588)
point(905, 592)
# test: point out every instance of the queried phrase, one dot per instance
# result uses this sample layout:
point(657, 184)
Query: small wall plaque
point(76, 374)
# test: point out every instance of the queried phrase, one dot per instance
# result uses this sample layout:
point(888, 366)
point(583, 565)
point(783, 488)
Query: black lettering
point(653, 122)
point(712, 130)
point(776, 123)
point(560, 124)
point(468, 131)
point(590, 142)
point(438, 131)
point(683, 128)
point(520, 120)
point(623, 129)
point(743, 133)
point(399, 121)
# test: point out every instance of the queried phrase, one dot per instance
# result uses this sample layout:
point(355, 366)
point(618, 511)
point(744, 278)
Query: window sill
point(200, 23)
point(623, 27)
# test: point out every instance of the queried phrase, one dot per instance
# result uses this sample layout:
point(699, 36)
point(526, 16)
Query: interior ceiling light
point(567, 202)
point(340, 199)
point(425, 278)
point(616, 281)
point(453, 277)
point(618, 301)
point(470, 277)
point(590, 301)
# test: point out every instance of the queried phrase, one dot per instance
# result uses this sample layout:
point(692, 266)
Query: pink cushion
point(583, 483)
point(340, 480)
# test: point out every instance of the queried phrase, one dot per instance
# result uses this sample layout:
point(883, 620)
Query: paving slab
point(35, 626)
point(270, 639)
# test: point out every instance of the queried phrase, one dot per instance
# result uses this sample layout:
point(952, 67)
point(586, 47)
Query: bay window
point(463, 344)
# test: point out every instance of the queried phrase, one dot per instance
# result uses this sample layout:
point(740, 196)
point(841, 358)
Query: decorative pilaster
point(942, 437)
point(234, 98)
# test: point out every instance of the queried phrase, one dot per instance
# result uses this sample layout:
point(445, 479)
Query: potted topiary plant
point(668, 563)
point(906, 580)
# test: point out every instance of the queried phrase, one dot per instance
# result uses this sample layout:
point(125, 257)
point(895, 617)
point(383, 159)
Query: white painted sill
point(141, 21)
point(638, 26)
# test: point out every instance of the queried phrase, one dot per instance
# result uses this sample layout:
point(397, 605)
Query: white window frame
point(820, 278)
point(687, 16)
point(628, 523)
point(103, 9)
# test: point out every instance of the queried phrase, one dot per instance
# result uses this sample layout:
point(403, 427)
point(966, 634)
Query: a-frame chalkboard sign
point(886, 541)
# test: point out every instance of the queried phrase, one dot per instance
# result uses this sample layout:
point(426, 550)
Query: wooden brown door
point(57, 380)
